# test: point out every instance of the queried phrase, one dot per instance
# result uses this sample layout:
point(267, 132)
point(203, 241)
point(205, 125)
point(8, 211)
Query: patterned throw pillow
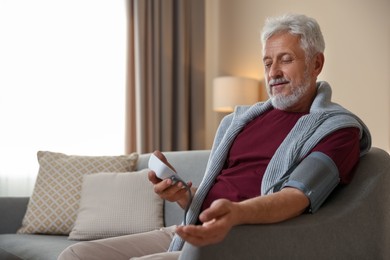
point(53, 206)
point(117, 204)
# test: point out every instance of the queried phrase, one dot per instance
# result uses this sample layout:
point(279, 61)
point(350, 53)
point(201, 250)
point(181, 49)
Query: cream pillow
point(55, 200)
point(116, 204)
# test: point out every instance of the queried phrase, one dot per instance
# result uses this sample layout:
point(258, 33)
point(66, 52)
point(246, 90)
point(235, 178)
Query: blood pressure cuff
point(316, 176)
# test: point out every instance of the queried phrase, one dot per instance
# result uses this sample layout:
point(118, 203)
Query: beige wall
point(357, 53)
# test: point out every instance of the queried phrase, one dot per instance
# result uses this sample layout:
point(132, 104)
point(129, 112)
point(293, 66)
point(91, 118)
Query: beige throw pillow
point(55, 200)
point(116, 204)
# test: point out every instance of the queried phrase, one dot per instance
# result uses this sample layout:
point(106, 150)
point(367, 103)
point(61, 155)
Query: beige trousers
point(147, 246)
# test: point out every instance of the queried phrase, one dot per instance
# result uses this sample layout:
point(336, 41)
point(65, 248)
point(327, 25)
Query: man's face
point(289, 79)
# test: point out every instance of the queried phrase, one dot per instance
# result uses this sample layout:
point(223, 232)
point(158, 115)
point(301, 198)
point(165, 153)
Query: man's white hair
point(306, 27)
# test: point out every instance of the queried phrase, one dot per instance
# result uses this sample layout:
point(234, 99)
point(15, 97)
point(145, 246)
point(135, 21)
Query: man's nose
point(275, 71)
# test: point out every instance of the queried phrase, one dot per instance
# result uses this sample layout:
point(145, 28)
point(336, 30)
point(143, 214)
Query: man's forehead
point(282, 43)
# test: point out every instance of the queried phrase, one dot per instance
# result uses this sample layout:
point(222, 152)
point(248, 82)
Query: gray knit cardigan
point(324, 118)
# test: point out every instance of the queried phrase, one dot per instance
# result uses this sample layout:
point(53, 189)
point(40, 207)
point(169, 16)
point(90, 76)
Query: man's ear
point(319, 60)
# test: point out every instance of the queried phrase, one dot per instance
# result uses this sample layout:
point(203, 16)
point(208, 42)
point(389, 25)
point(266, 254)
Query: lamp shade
point(229, 92)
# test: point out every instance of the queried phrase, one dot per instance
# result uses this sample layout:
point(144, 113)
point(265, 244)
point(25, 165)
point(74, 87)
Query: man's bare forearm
point(273, 208)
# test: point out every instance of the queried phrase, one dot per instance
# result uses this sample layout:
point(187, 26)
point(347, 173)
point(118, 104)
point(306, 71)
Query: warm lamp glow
point(229, 92)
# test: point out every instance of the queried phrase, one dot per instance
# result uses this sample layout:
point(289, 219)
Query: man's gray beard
point(283, 102)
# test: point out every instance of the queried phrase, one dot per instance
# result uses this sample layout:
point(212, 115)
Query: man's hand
point(166, 189)
point(224, 214)
point(217, 222)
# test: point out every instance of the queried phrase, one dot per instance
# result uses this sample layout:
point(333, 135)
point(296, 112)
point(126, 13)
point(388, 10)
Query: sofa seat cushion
point(32, 247)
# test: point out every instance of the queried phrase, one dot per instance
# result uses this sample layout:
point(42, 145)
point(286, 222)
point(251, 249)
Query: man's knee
point(72, 252)
point(121, 248)
point(159, 256)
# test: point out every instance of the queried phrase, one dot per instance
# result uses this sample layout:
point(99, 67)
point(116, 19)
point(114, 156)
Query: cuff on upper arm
point(316, 176)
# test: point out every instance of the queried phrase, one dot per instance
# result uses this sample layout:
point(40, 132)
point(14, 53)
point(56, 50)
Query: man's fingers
point(217, 209)
point(197, 235)
point(153, 178)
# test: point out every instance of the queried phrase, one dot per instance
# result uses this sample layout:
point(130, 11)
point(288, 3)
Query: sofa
point(354, 222)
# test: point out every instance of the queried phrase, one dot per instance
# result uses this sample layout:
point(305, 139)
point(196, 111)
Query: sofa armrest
point(12, 212)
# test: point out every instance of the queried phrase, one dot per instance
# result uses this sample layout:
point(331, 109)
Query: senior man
point(260, 167)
